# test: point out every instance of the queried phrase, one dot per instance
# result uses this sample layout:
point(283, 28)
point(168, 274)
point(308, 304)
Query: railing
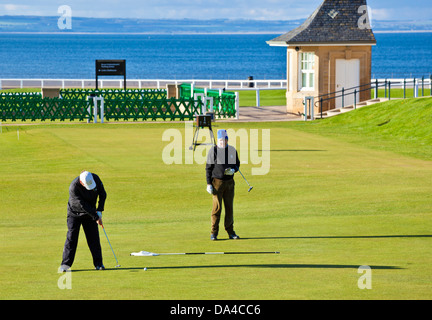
point(24, 106)
point(418, 85)
point(233, 85)
point(141, 83)
point(118, 105)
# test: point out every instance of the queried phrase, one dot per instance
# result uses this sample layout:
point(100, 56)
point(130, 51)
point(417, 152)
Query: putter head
point(118, 266)
point(250, 189)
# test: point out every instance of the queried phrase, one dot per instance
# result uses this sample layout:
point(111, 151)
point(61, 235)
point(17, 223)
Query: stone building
point(331, 50)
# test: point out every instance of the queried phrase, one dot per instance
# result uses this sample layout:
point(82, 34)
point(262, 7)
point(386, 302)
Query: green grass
point(21, 90)
point(267, 98)
point(278, 98)
point(399, 93)
point(341, 193)
point(403, 126)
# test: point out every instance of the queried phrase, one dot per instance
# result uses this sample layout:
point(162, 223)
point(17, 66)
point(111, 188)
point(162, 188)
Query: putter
point(250, 187)
point(117, 266)
point(152, 254)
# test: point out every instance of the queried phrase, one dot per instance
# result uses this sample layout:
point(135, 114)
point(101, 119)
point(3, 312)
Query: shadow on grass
point(293, 150)
point(269, 266)
point(283, 265)
point(340, 237)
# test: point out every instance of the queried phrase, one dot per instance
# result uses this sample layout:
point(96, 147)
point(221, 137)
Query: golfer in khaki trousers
point(222, 163)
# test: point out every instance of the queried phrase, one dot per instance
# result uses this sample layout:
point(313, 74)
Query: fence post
point(102, 111)
point(389, 86)
point(355, 98)
point(404, 88)
point(415, 88)
point(95, 111)
point(343, 97)
point(258, 97)
point(385, 88)
point(88, 109)
point(321, 109)
point(220, 99)
point(376, 88)
point(309, 105)
point(312, 108)
point(305, 108)
point(423, 86)
point(430, 84)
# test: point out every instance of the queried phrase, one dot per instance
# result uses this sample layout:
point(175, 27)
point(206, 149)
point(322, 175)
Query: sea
point(209, 56)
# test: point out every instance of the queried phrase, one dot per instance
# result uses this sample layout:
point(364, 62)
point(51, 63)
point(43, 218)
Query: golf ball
point(145, 269)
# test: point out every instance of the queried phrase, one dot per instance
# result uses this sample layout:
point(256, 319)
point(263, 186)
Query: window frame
point(307, 69)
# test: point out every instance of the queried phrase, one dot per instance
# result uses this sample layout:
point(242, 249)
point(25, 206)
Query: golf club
point(117, 266)
point(250, 187)
point(152, 254)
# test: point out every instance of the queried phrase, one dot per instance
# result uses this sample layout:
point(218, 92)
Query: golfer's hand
point(229, 172)
point(99, 222)
point(210, 188)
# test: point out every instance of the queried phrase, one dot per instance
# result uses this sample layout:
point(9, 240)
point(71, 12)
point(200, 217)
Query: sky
point(208, 9)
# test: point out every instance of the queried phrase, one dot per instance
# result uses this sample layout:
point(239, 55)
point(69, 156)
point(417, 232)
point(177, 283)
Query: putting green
point(328, 204)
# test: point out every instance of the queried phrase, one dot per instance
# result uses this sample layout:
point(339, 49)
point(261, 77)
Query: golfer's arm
point(237, 163)
point(102, 198)
point(209, 170)
point(210, 166)
point(102, 195)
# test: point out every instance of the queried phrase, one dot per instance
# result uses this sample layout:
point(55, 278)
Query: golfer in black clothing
point(222, 163)
point(83, 195)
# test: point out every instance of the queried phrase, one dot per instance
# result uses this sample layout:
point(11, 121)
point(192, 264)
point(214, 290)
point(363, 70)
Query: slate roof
point(333, 22)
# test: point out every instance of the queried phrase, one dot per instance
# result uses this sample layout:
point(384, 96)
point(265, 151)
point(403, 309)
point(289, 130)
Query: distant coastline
point(80, 25)
point(188, 33)
point(402, 31)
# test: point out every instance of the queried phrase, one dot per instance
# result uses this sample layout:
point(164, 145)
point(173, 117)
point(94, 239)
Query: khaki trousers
point(222, 191)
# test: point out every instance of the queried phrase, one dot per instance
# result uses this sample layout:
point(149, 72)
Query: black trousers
point(223, 191)
point(91, 231)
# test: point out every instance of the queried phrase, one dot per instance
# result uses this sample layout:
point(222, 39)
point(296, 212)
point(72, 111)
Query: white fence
point(233, 85)
point(407, 82)
point(143, 83)
point(237, 85)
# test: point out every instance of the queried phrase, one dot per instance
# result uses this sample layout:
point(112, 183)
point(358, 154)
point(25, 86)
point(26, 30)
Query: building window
point(307, 73)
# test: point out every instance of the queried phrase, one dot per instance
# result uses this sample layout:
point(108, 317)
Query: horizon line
point(194, 19)
point(185, 33)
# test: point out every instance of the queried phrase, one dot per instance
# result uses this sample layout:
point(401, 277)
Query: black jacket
point(83, 201)
point(219, 159)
